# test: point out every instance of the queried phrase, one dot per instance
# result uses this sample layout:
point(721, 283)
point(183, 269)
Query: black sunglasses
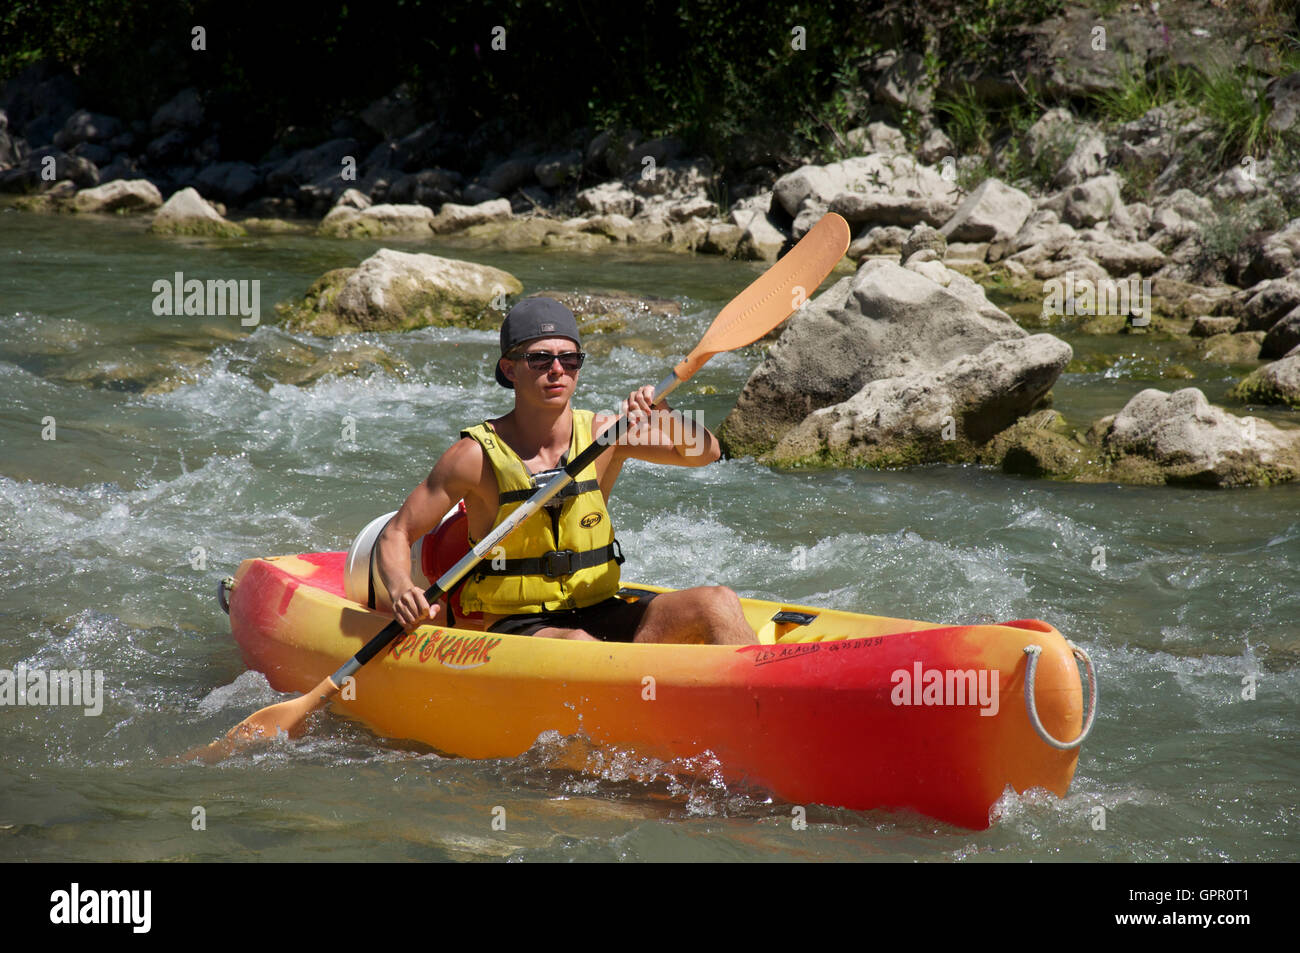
point(541, 360)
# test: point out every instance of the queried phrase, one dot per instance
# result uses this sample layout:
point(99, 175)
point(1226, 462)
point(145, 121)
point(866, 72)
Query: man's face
point(536, 378)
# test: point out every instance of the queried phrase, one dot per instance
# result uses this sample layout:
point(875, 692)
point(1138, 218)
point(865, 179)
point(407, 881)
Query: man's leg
point(551, 632)
point(705, 615)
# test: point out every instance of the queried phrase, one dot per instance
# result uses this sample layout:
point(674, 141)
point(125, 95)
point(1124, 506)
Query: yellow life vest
point(561, 557)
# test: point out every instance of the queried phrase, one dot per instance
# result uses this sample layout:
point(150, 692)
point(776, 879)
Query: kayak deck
point(832, 707)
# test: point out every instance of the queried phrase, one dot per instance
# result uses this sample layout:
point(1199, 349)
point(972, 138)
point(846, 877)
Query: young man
point(558, 575)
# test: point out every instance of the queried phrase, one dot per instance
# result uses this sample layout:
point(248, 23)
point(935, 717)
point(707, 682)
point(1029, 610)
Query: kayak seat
point(441, 550)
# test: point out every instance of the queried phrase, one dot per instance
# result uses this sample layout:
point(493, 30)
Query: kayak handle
point(223, 587)
point(1033, 651)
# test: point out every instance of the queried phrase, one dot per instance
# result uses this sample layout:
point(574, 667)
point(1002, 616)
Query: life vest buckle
point(557, 563)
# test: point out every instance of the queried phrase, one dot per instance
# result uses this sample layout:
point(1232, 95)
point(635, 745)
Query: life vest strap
point(554, 564)
point(573, 489)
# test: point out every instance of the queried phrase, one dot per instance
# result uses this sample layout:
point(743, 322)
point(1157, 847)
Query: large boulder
point(1087, 160)
point(885, 321)
point(455, 218)
point(1181, 438)
point(234, 183)
point(1275, 383)
point(183, 113)
point(83, 126)
point(876, 189)
point(1268, 302)
point(1282, 336)
point(122, 195)
point(392, 291)
point(609, 198)
point(992, 212)
point(1087, 203)
point(186, 213)
point(431, 187)
point(42, 169)
point(346, 221)
point(930, 415)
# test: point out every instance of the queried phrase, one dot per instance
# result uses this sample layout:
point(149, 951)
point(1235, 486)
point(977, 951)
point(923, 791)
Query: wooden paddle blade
point(774, 296)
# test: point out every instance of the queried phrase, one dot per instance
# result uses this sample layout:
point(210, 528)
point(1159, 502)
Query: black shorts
point(610, 621)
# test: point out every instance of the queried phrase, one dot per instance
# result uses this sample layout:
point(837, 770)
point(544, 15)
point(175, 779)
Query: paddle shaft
point(465, 565)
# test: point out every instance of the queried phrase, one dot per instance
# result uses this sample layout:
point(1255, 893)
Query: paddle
point(772, 298)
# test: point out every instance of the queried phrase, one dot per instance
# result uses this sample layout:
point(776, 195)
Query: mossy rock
point(1259, 388)
point(1104, 324)
point(199, 228)
point(1040, 445)
point(391, 293)
point(45, 204)
point(1240, 348)
point(273, 226)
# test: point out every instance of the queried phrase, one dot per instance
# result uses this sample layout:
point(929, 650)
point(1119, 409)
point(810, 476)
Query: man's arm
point(454, 477)
point(659, 434)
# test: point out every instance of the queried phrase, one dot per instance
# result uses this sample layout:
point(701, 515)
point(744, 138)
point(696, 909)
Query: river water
point(183, 445)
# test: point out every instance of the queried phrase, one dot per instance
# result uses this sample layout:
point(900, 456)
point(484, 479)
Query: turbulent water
point(182, 445)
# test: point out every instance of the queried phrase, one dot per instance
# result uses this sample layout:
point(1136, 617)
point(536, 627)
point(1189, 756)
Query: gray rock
point(760, 239)
point(422, 148)
point(885, 321)
point(392, 116)
point(475, 194)
point(935, 146)
point(183, 112)
point(906, 84)
point(608, 198)
point(1282, 336)
point(509, 175)
point(138, 195)
point(1055, 133)
point(882, 240)
point(170, 147)
point(617, 228)
point(1088, 203)
point(1283, 95)
point(1123, 258)
point(994, 211)
point(394, 290)
point(1042, 229)
point(1207, 326)
point(83, 126)
point(558, 169)
point(455, 218)
point(901, 420)
point(353, 198)
point(344, 221)
point(1086, 161)
point(1268, 302)
point(93, 152)
point(878, 137)
point(1190, 441)
point(314, 166)
point(29, 175)
point(924, 238)
point(662, 151)
point(233, 182)
point(431, 187)
point(875, 189)
point(186, 213)
point(1275, 383)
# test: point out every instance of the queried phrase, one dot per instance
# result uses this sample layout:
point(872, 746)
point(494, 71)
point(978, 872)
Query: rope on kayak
point(223, 587)
point(1033, 651)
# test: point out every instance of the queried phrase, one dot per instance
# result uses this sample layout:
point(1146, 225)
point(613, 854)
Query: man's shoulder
point(464, 457)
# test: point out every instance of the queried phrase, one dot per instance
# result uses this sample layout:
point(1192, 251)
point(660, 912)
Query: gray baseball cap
point(534, 318)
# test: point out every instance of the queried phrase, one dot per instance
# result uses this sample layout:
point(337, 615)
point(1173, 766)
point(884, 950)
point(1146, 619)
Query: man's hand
point(638, 408)
point(410, 608)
